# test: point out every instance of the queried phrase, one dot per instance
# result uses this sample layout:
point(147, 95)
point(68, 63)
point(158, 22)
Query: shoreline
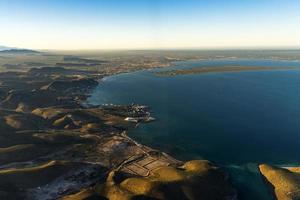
point(204, 70)
point(258, 163)
point(64, 135)
point(59, 129)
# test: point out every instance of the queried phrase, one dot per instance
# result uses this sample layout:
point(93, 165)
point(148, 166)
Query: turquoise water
point(236, 119)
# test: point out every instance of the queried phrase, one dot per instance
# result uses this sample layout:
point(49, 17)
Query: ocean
point(235, 119)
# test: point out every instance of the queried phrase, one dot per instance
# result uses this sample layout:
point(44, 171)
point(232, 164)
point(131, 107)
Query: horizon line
point(207, 48)
point(177, 48)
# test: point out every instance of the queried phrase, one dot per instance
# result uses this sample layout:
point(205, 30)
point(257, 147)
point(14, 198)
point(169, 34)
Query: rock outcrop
point(284, 183)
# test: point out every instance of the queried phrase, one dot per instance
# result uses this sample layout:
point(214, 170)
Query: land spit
point(203, 70)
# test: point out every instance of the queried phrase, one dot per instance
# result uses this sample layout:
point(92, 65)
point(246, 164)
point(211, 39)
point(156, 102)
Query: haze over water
point(236, 119)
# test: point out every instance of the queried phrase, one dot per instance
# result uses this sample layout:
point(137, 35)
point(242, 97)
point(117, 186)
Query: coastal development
point(149, 100)
point(53, 146)
point(56, 146)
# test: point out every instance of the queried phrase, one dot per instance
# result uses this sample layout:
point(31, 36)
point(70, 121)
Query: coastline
point(79, 143)
point(90, 138)
point(203, 70)
point(258, 176)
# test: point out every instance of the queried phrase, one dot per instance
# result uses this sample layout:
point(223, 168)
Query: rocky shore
point(54, 147)
point(283, 183)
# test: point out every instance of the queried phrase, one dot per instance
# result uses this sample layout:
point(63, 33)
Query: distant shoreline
point(202, 70)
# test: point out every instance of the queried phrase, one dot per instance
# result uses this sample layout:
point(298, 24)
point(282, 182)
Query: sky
point(149, 24)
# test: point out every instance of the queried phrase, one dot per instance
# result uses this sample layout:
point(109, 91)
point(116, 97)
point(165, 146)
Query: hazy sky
point(142, 24)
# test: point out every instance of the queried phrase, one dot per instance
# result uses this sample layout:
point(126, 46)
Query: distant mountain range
point(18, 51)
point(4, 48)
point(13, 50)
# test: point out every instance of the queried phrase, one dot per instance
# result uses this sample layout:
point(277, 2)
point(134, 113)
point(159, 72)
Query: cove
point(235, 119)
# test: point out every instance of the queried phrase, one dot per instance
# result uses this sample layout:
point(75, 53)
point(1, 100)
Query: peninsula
point(215, 69)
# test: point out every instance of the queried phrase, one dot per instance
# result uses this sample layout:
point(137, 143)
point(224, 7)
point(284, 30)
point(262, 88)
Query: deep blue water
point(236, 119)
